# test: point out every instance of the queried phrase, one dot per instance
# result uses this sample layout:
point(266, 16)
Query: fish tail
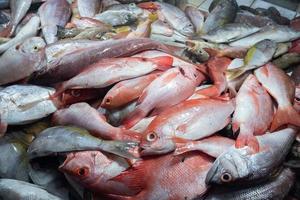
point(234, 73)
point(134, 118)
point(286, 115)
point(162, 62)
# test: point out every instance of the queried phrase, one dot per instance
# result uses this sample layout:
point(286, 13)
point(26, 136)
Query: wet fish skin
point(243, 166)
point(196, 17)
point(27, 31)
point(246, 17)
point(274, 188)
point(11, 189)
point(88, 8)
point(276, 33)
point(230, 32)
point(61, 139)
point(282, 88)
point(184, 121)
point(23, 104)
point(53, 13)
point(224, 12)
point(116, 116)
point(287, 60)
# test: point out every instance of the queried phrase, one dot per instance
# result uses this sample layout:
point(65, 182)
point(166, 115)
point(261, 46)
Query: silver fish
point(23, 104)
point(88, 8)
point(196, 17)
point(241, 165)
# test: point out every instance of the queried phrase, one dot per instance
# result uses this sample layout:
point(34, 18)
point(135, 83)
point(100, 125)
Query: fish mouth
point(210, 174)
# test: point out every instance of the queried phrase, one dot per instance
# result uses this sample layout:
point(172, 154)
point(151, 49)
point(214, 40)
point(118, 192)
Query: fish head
point(230, 167)
point(153, 143)
point(188, 29)
point(132, 7)
point(32, 45)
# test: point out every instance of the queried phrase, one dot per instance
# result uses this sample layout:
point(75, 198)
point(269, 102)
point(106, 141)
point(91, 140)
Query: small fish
point(229, 33)
point(85, 116)
point(243, 166)
point(277, 33)
point(11, 189)
point(53, 13)
point(253, 113)
point(175, 84)
point(282, 89)
point(115, 70)
point(223, 13)
point(276, 187)
point(127, 91)
point(23, 104)
point(62, 139)
point(183, 122)
point(196, 17)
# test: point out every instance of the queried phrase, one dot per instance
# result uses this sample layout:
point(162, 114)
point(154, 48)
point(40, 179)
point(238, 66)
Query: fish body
point(277, 33)
point(61, 139)
point(241, 165)
point(275, 188)
point(253, 114)
point(176, 85)
point(53, 13)
point(230, 32)
point(88, 8)
point(287, 60)
point(162, 28)
point(196, 17)
point(223, 13)
point(127, 91)
point(282, 89)
point(84, 116)
point(184, 121)
point(142, 30)
point(13, 189)
point(23, 104)
point(246, 17)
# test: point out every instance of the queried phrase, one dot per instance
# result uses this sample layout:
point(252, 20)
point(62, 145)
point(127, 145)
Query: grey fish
point(230, 32)
point(29, 30)
point(278, 33)
point(61, 139)
point(241, 165)
point(224, 13)
point(196, 17)
point(246, 17)
point(287, 60)
point(53, 13)
point(276, 188)
point(23, 104)
point(13, 159)
point(13, 189)
point(22, 59)
point(19, 9)
point(73, 62)
point(88, 8)
point(115, 117)
point(120, 14)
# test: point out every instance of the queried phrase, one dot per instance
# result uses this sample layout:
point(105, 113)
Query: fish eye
point(151, 137)
point(75, 93)
point(35, 48)
point(132, 4)
point(226, 177)
point(83, 171)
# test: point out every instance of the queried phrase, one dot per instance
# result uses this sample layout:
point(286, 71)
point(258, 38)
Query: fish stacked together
point(133, 99)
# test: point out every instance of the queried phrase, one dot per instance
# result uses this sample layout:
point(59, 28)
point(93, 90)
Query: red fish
point(253, 113)
point(172, 87)
point(282, 88)
point(295, 48)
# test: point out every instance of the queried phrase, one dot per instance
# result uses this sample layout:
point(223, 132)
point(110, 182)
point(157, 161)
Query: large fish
point(62, 139)
point(85, 116)
point(223, 13)
point(22, 59)
point(53, 13)
point(76, 60)
point(242, 165)
point(282, 88)
point(127, 91)
point(253, 113)
point(176, 85)
point(114, 70)
point(183, 122)
point(277, 33)
point(276, 187)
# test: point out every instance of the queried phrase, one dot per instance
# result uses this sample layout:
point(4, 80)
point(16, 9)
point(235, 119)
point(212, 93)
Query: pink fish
point(253, 114)
point(172, 87)
point(282, 89)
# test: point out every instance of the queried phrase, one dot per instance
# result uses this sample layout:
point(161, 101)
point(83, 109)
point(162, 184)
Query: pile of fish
point(140, 100)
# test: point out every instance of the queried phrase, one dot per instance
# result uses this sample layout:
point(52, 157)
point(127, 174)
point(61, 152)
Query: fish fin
point(235, 126)
point(7, 31)
point(234, 73)
point(286, 115)
point(137, 115)
point(134, 178)
point(130, 135)
point(247, 140)
point(182, 128)
point(212, 91)
point(182, 148)
point(60, 88)
point(3, 128)
point(162, 62)
point(178, 140)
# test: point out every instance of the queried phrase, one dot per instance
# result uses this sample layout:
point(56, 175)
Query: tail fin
point(60, 88)
point(134, 118)
point(162, 62)
point(286, 115)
